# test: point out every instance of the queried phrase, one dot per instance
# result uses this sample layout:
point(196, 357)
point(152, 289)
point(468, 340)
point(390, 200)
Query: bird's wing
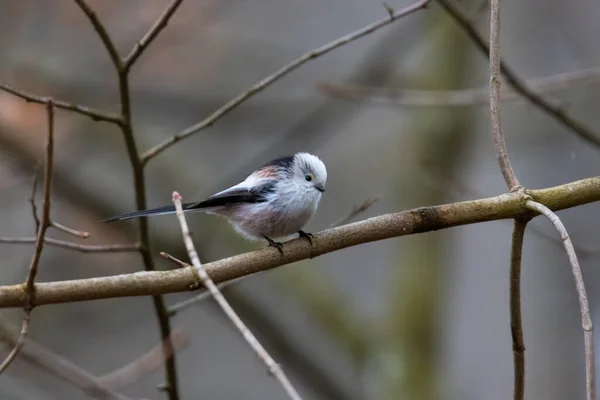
point(238, 194)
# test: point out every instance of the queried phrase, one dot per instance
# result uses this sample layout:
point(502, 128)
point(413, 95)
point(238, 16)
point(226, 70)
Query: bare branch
point(420, 220)
point(175, 308)
point(454, 98)
point(94, 114)
point(36, 220)
point(122, 68)
point(158, 26)
point(586, 319)
point(516, 324)
point(234, 103)
point(83, 248)
point(102, 32)
point(499, 145)
point(147, 363)
point(70, 231)
point(355, 212)
point(555, 111)
point(273, 368)
point(61, 367)
point(39, 244)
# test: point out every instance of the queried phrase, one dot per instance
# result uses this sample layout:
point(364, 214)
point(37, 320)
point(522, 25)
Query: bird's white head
point(309, 171)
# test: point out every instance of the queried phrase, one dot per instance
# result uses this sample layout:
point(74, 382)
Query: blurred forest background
point(421, 317)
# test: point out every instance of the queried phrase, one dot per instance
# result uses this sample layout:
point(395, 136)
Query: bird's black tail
point(154, 211)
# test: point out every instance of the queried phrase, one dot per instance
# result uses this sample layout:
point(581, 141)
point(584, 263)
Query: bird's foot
point(308, 236)
point(275, 244)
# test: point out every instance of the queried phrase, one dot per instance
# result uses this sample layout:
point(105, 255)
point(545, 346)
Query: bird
point(275, 201)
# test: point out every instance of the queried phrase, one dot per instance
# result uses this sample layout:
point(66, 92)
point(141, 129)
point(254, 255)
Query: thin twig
point(586, 318)
point(234, 103)
point(454, 98)
point(102, 32)
point(273, 368)
point(83, 248)
point(499, 145)
point(95, 115)
point(29, 285)
point(355, 212)
point(34, 213)
point(61, 367)
point(409, 222)
point(175, 308)
point(137, 166)
point(555, 111)
point(158, 26)
point(70, 231)
point(516, 324)
point(147, 363)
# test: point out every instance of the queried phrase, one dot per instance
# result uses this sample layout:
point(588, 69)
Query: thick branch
point(425, 219)
point(234, 103)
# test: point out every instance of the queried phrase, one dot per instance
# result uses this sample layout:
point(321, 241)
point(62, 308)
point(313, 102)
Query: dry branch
point(454, 98)
point(516, 323)
point(234, 103)
point(122, 68)
point(197, 268)
point(95, 115)
point(29, 285)
point(586, 318)
point(61, 367)
point(555, 111)
point(83, 248)
point(420, 220)
point(499, 145)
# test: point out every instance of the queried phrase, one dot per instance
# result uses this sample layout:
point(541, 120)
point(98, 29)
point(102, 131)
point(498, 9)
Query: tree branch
point(420, 220)
point(516, 324)
point(499, 145)
point(122, 69)
point(158, 26)
point(234, 103)
point(197, 268)
point(555, 111)
point(586, 319)
point(82, 248)
point(29, 285)
point(454, 98)
point(95, 115)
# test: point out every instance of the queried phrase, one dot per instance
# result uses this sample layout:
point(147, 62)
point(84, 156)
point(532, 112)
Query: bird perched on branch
point(275, 201)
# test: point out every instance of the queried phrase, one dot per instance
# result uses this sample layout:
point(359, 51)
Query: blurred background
point(419, 317)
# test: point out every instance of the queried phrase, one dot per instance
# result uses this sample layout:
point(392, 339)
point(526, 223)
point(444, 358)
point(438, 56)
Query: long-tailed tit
point(274, 201)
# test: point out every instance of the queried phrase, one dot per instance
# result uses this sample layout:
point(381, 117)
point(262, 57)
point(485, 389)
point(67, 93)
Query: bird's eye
point(308, 177)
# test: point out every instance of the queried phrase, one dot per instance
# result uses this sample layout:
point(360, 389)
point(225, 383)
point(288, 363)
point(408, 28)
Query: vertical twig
point(499, 145)
point(29, 284)
point(274, 368)
point(122, 67)
point(516, 324)
point(586, 318)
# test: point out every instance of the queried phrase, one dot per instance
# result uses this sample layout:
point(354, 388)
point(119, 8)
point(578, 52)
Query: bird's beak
point(320, 188)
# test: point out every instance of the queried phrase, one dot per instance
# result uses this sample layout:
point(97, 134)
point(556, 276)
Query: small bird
point(275, 201)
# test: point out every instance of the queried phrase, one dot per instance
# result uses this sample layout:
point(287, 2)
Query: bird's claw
point(275, 244)
point(308, 236)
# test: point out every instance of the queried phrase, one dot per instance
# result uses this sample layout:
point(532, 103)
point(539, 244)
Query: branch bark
point(420, 220)
point(516, 323)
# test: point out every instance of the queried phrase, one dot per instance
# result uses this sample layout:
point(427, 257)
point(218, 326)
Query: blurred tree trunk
point(411, 350)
